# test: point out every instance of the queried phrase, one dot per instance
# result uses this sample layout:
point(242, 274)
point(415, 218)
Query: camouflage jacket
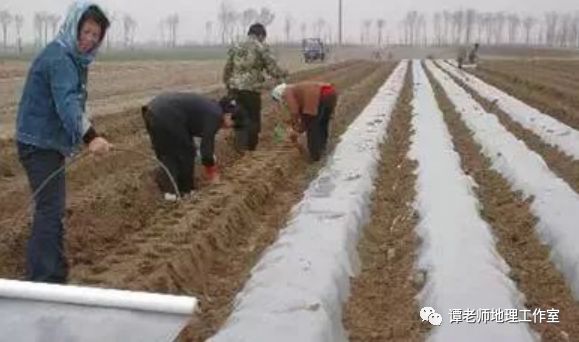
point(246, 64)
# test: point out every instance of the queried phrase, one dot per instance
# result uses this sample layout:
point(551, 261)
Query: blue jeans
point(45, 259)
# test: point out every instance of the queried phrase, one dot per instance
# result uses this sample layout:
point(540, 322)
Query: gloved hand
point(211, 173)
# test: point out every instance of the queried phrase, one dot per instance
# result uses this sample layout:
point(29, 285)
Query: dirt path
point(514, 226)
point(382, 305)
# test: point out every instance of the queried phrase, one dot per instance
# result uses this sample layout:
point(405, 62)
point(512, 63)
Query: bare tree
point(248, 17)
point(514, 24)
point(234, 19)
point(551, 20)
point(367, 26)
point(163, 29)
point(565, 30)
point(469, 23)
point(176, 22)
point(448, 22)
point(458, 26)
point(542, 35)
point(46, 22)
point(18, 22)
point(110, 32)
point(575, 31)
point(172, 23)
point(437, 26)
point(499, 25)
point(288, 27)
point(208, 32)
point(129, 25)
point(5, 21)
point(528, 24)
point(421, 36)
point(489, 19)
point(53, 20)
point(319, 26)
point(266, 16)
point(223, 17)
point(38, 28)
point(410, 21)
point(329, 35)
point(480, 23)
point(380, 24)
point(303, 28)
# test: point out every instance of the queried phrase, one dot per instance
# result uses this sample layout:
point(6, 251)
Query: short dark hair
point(229, 105)
point(95, 13)
point(257, 29)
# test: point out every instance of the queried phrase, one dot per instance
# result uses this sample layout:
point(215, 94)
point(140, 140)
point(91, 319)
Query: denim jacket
point(51, 114)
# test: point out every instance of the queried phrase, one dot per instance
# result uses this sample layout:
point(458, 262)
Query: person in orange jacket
point(172, 121)
point(311, 105)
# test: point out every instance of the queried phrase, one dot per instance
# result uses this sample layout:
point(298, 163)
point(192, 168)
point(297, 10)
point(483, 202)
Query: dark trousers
point(247, 132)
point(45, 259)
point(317, 127)
point(175, 151)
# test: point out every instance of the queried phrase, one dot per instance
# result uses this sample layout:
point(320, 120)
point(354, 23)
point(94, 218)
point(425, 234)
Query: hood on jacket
point(67, 35)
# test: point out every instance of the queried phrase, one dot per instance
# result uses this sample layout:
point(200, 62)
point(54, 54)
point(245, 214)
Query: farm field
point(475, 197)
point(128, 238)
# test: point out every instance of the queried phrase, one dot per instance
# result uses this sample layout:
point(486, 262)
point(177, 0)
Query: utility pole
point(340, 22)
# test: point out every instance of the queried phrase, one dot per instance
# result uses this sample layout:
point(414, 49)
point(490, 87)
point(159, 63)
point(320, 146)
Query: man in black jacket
point(173, 120)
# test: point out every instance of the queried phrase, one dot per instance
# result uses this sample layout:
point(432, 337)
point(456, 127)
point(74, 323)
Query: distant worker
point(172, 121)
point(310, 105)
point(469, 57)
point(244, 79)
point(473, 54)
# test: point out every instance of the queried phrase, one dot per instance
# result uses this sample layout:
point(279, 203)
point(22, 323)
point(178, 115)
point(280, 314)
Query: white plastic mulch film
point(45, 312)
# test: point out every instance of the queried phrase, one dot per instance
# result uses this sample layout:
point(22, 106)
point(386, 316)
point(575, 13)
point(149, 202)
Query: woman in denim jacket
point(51, 125)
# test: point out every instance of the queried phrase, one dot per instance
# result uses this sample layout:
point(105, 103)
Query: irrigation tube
point(108, 298)
point(32, 312)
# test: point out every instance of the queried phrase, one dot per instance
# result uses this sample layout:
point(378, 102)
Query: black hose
point(82, 156)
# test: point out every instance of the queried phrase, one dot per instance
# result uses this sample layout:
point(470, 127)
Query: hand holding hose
point(99, 146)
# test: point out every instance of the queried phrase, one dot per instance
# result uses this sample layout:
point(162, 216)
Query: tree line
point(443, 28)
point(552, 29)
point(45, 26)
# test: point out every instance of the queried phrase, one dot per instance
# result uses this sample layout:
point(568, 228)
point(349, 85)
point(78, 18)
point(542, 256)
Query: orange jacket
point(304, 97)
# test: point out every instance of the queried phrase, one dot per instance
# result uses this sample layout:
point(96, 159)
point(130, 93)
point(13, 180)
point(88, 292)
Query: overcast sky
point(195, 13)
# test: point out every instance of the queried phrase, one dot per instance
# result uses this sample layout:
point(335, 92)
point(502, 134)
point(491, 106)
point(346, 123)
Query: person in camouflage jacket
point(244, 79)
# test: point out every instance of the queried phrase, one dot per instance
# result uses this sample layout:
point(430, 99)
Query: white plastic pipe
point(89, 296)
